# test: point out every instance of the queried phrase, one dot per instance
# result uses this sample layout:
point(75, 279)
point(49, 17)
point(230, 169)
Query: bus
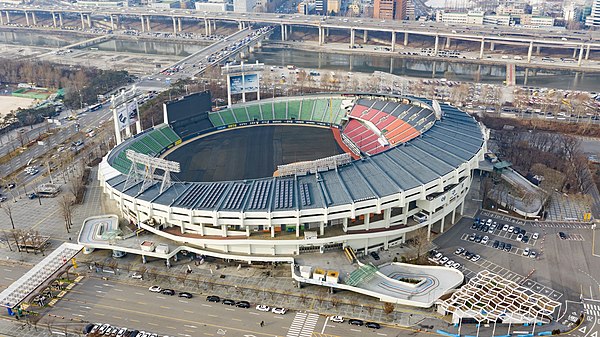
point(96, 107)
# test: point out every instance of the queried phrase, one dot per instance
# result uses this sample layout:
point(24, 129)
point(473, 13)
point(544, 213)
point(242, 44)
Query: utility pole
point(49, 172)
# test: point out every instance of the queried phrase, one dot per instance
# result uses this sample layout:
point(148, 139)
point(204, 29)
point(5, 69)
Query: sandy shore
point(10, 103)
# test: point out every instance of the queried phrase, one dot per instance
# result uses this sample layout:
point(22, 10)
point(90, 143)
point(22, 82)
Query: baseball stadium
point(293, 175)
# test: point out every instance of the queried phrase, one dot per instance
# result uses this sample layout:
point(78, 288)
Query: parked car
point(280, 311)
point(505, 228)
point(562, 235)
point(443, 260)
point(533, 254)
point(357, 322)
point(373, 325)
point(508, 247)
point(438, 256)
point(496, 244)
point(137, 276)
point(213, 298)
point(475, 258)
point(520, 237)
point(243, 304)
point(525, 239)
point(485, 240)
point(456, 265)
point(185, 294)
point(375, 256)
point(337, 319)
point(169, 292)
point(501, 245)
point(228, 302)
point(264, 308)
point(459, 250)
point(155, 289)
point(449, 263)
point(526, 251)
point(535, 236)
point(511, 229)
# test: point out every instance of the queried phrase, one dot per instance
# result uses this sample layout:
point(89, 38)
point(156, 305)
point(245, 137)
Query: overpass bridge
point(582, 43)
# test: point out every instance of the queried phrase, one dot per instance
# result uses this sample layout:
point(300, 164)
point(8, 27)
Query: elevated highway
point(581, 42)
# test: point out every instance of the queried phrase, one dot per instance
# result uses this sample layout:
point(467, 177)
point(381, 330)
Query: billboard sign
point(243, 83)
point(127, 114)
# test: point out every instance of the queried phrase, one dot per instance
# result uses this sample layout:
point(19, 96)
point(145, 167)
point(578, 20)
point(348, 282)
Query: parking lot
point(562, 268)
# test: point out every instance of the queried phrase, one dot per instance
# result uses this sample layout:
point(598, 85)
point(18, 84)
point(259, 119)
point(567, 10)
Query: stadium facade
point(414, 167)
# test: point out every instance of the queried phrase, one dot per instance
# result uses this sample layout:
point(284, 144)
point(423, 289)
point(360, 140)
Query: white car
point(136, 276)
point(337, 319)
point(520, 237)
point(456, 265)
point(505, 228)
point(485, 240)
point(444, 260)
point(155, 289)
point(280, 311)
point(449, 263)
point(511, 229)
point(438, 256)
point(459, 250)
point(535, 236)
point(475, 258)
point(488, 222)
point(261, 307)
point(526, 251)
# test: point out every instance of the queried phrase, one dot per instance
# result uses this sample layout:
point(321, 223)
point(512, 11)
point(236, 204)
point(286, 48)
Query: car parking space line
point(254, 313)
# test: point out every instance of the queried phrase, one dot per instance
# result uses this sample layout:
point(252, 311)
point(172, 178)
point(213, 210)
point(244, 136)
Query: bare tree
point(388, 308)
point(9, 213)
point(66, 210)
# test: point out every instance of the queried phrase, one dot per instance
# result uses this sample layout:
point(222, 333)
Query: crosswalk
point(303, 325)
point(592, 309)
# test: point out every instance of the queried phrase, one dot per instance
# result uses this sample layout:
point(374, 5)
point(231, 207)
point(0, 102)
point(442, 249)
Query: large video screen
point(194, 105)
point(243, 83)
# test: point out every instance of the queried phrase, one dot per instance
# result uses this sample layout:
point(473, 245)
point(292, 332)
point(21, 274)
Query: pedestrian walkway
point(303, 325)
point(592, 309)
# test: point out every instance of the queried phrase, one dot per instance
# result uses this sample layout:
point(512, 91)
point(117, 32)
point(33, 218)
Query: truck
point(162, 248)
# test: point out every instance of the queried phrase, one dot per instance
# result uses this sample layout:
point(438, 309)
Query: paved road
point(106, 301)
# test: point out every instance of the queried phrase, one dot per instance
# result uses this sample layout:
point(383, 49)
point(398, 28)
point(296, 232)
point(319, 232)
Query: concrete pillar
point(34, 18)
point(368, 221)
point(112, 23)
point(2, 18)
point(365, 36)
point(321, 228)
point(538, 49)
point(282, 32)
point(7, 17)
point(453, 215)
point(406, 39)
point(248, 231)
point(179, 24)
point(168, 263)
point(393, 42)
point(27, 18)
point(391, 65)
point(144, 259)
point(143, 24)
point(174, 25)
point(429, 231)
point(224, 231)
point(298, 230)
point(587, 51)
point(272, 231)
point(148, 24)
point(240, 25)
point(89, 20)
point(345, 225)
point(462, 208)
point(574, 49)
point(529, 52)
point(580, 55)
point(387, 214)
point(214, 26)
point(436, 46)
point(481, 49)
point(321, 36)
point(447, 43)
point(60, 20)
point(290, 30)
point(53, 19)
point(206, 27)
point(492, 46)
point(442, 224)
point(326, 32)
point(352, 33)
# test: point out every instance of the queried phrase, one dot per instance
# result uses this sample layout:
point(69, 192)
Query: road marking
point(182, 301)
point(190, 326)
point(229, 309)
point(101, 314)
point(134, 320)
point(324, 325)
point(236, 319)
point(118, 289)
point(78, 315)
point(140, 294)
point(277, 317)
point(172, 327)
point(189, 312)
point(150, 323)
point(356, 330)
point(143, 303)
point(165, 307)
point(117, 317)
point(381, 334)
point(85, 307)
point(211, 315)
point(8, 270)
point(206, 305)
point(120, 299)
point(9, 278)
point(160, 297)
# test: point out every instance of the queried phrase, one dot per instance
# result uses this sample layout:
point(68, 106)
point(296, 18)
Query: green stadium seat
point(254, 112)
point(240, 114)
point(280, 110)
point(293, 110)
point(267, 111)
point(215, 119)
point(307, 109)
point(227, 116)
point(319, 110)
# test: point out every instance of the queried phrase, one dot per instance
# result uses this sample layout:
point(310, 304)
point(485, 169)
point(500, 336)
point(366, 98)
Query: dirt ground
point(248, 153)
point(9, 103)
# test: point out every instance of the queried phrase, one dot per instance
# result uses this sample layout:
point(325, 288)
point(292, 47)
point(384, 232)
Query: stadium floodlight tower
point(143, 169)
point(242, 79)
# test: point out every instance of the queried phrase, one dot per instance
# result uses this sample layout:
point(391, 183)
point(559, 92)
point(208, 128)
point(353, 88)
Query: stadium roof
point(449, 143)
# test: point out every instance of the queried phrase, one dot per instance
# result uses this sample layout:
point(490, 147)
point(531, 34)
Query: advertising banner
point(127, 114)
point(243, 83)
